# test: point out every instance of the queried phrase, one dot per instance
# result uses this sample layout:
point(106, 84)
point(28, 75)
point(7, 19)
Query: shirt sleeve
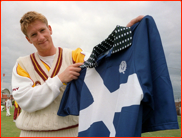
point(159, 111)
point(32, 98)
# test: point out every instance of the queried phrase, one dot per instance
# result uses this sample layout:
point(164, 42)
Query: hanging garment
point(127, 93)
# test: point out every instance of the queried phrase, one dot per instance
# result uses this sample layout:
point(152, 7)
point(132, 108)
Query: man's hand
point(135, 20)
point(70, 73)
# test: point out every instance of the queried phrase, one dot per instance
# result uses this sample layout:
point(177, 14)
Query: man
point(8, 105)
point(5, 104)
point(39, 80)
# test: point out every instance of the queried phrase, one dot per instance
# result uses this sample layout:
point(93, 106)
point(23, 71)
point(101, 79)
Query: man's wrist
point(58, 81)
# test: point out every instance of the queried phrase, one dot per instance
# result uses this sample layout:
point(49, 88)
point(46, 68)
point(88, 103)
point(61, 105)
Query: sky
point(85, 24)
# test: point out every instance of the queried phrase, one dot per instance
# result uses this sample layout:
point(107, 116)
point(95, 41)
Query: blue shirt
point(128, 93)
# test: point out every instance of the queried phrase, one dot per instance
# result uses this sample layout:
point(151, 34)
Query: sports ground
point(9, 129)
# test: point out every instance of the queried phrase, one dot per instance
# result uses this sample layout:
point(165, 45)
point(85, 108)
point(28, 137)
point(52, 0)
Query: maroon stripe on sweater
point(37, 68)
point(59, 63)
point(52, 130)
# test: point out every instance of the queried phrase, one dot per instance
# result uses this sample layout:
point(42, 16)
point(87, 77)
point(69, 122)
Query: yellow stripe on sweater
point(77, 56)
point(47, 67)
point(16, 104)
point(59, 62)
point(23, 73)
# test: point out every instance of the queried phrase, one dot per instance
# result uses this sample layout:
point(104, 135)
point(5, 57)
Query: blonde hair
point(29, 18)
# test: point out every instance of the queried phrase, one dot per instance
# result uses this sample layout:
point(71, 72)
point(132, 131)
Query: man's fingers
point(75, 68)
point(135, 20)
point(74, 73)
point(139, 18)
point(70, 73)
point(77, 64)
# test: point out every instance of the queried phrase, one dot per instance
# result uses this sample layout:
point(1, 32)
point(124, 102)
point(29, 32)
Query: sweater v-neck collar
point(41, 69)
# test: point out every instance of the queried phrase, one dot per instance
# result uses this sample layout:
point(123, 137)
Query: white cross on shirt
point(106, 104)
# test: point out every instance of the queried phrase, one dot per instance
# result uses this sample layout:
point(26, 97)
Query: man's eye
point(42, 30)
point(33, 34)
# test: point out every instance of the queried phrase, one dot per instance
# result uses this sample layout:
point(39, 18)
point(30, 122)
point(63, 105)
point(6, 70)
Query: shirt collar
point(119, 39)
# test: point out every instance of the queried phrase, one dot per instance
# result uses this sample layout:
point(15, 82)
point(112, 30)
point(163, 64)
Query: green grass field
point(165, 133)
point(9, 129)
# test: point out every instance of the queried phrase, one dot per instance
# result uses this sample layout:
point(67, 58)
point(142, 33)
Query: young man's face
point(39, 35)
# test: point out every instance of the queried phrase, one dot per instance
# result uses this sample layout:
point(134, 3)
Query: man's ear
point(50, 29)
point(28, 40)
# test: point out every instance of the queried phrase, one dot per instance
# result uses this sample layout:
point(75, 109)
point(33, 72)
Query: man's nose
point(40, 37)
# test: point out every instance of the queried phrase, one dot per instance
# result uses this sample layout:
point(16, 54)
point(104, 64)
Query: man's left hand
point(135, 20)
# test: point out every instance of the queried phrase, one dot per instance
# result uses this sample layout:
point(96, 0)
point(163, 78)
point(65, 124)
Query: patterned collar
point(119, 39)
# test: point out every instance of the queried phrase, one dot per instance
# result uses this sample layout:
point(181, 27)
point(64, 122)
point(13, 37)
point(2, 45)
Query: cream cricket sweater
point(46, 119)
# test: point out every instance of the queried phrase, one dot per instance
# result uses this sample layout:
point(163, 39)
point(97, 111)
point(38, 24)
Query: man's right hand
point(70, 73)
